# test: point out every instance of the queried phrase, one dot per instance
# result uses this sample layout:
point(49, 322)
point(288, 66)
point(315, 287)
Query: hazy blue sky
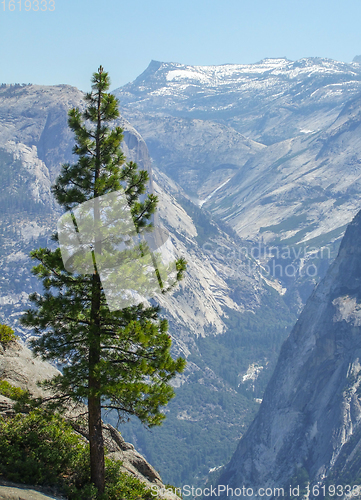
point(68, 44)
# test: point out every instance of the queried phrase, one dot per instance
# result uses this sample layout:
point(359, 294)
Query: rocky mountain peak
point(311, 410)
point(228, 90)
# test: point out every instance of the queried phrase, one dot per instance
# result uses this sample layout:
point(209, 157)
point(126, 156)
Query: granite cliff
point(310, 416)
point(272, 148)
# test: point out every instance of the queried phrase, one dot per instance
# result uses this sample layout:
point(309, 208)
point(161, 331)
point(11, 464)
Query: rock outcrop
point(310, 417)
point(20, 368)
point(12, 491)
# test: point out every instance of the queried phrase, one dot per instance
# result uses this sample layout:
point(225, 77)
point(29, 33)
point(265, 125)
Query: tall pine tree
point(112, 359)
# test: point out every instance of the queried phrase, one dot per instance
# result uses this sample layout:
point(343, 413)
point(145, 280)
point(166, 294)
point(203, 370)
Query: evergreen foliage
point(11, 392)
point(113, 360)
point(42, 449)
point(7, 335)
point(24, 402)
point(39, 448)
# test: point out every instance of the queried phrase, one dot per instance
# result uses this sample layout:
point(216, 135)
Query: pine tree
point(111, 359)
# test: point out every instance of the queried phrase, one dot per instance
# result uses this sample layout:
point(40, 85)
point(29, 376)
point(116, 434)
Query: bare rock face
point(6, 406)
point(19, 367)
point(272, 148)
point(132, 461)
point(12, 491)
point(310, 417)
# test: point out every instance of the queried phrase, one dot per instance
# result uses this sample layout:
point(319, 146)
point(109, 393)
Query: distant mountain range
point(272, 148)
point(298, 122)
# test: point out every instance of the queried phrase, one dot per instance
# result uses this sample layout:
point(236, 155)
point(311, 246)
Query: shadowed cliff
point(311, 414)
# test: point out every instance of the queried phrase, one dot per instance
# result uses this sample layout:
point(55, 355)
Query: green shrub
point(42, 449)
point(11, 392)
point(6, 335)
point(24, 402)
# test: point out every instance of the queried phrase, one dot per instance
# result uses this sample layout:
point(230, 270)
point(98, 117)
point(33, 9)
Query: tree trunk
point(97, 469)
